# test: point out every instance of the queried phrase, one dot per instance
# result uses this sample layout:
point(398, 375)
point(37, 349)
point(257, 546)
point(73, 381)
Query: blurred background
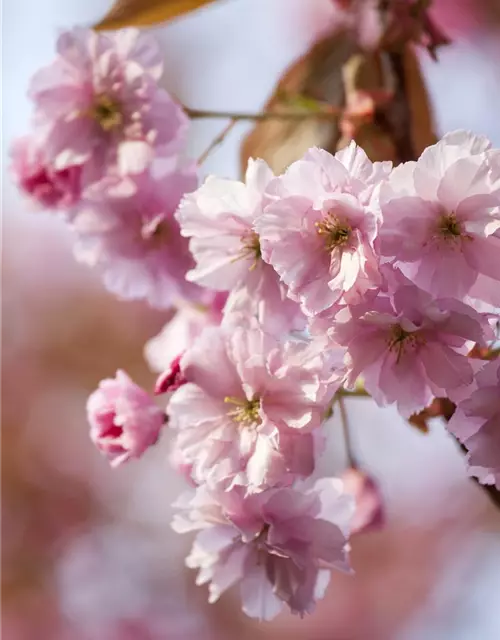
point(87, 552)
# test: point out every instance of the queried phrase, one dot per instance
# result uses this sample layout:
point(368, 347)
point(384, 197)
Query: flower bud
point(172, 378)
point(124, 420)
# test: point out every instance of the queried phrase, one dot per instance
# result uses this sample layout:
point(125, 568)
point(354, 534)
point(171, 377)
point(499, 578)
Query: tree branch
point(216, 141)
point(328, 114)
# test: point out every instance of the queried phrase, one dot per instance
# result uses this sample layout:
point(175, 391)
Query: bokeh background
point(87, 552)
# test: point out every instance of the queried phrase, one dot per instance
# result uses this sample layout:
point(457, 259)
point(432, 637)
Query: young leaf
point(142, 13)
point(310, 83)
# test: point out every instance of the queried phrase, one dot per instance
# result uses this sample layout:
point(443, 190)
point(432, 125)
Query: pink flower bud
point(172, 378)
point(124, 420)
point(370, 511)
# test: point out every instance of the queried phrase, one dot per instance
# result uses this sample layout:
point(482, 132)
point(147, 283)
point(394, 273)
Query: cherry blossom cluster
point(106, 152)
point(338, 272)
point(289, 292)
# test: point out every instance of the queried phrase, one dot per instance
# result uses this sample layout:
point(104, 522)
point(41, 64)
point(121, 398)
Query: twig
point(329, 114)
point(216, 141)
point(355, 393)
point(344, 393)
point(347, 435)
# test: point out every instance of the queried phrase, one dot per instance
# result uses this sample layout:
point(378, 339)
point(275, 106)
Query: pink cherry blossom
point(182, 465)
point(408, 348)
point(476, 423)
point(183, 329)
point(319, 229)
point(128, 230)
point(124, 421)
point(370, 511)
point(279, 545)
point(46, 187)
point(250, 406)
point(442, 216)
point(99, 104)
point(219, 220)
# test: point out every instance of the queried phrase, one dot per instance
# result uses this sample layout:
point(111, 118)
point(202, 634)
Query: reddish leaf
point(313, 81)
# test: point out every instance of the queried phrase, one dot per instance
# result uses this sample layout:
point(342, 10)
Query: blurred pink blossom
point(127, 229)
point(99, 104)
point(42, 183)
point(476, 422)
point(370, 512)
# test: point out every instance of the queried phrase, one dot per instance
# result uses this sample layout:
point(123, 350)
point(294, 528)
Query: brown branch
point(216, 141)
point(329, 114)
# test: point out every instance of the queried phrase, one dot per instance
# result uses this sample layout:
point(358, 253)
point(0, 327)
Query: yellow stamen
point(449, 227)
point(251, 247)
point(336, 232)
point(107, 113)
point(246, 412)
point(400, 340)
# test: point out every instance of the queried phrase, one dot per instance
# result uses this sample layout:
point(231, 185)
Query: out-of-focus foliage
point(141, 13)
point(379, 99)
point(315, 77)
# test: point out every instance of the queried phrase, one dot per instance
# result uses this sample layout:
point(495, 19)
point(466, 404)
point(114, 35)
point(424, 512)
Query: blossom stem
point(327, 114)
point(344, 393)
point(355, 393)
point(216, 141)
point(347, 434)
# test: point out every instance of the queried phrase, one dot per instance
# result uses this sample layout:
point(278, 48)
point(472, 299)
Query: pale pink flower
point(219, 220)
point(127, 230)
point(409, 348)
point(370, 511)
point(319, 229)
point(250, 406)
point(45, 186)
point(441, 216)
point(182, 465)
point(476, 423)
point(183, 329)
point(99, 104)
point(278, 545)
point(124, 420)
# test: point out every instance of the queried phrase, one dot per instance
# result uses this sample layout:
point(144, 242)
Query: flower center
point(156, 231)
point(400, 340)
point(449, 227)
point(250, 248)
point(335, 231)
point(246, 412)
point(107, 113)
